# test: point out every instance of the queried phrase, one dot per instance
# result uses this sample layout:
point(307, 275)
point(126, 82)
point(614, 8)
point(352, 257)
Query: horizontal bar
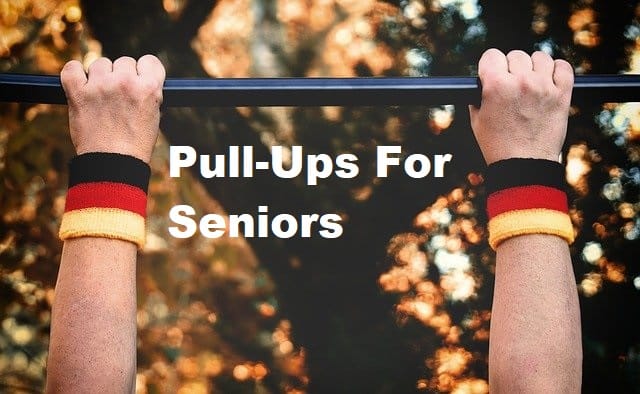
point(239, 92)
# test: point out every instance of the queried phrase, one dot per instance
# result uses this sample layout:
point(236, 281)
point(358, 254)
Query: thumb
point(72, 78)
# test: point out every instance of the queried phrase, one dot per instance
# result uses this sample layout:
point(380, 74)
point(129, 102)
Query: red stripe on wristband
point(526, 197)
point(107, 195)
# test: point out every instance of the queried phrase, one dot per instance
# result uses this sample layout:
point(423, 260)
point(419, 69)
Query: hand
point(115, 108)
point(525, 105)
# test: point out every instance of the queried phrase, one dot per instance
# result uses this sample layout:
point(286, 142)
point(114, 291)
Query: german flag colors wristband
point(526, 196)
point(107, 198)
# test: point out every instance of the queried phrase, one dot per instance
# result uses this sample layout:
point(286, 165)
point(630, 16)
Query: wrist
point(125, 150)
point(524, 154)
point(526, 196)
point(107, 198)
point(132, 141)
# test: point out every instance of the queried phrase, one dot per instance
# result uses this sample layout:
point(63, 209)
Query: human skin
point(535, 328)
point(115, 108)
point(535, 337)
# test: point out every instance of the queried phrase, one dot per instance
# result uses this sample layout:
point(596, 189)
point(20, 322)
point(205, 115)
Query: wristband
point(526, 196)
point(107, 198)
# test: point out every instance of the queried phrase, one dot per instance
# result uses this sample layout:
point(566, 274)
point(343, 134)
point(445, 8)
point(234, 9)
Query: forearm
point(93, 331)
point(535, 326)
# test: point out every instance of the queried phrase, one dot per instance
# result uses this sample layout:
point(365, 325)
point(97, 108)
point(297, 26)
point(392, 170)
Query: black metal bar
point(238, 92)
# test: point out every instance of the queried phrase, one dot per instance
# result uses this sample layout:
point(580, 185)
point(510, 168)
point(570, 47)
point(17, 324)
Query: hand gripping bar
point(240, 92)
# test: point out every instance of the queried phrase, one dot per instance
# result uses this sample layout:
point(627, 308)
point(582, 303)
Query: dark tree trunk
point(508, 24)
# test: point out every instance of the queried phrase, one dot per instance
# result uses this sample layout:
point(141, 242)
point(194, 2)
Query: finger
point(72, 77)
point(563, 75)
point(542, 64)
point(150, 67)
point(473, 114)
point(492, 61)
point(126, 65)
point(519, 62)
point(99, 69)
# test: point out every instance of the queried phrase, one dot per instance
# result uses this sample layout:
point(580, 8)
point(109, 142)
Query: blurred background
point(401, 302)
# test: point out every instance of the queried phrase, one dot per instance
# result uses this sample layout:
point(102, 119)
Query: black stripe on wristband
point(516, 172)
point(109, 167)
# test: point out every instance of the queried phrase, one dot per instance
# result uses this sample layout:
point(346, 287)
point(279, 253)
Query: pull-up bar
point(239, 92)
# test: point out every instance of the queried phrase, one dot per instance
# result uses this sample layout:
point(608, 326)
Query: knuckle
point(494, 86)
point(70, 71)
point(134, 89)
point(124, 59)
point(99, 89)
point(542, 55)
point(157, 96)
point(489, 57)
point(99, 62)
point(151, 60)
point(148, 58)
point(517, 53)
point(149, 86)
point(96, 62)
point(525, 85)
point(71, 79)
point(564, 67)
point(124, 82)
point(490, 83)
point(69, 66)
point(550, 92)
point(125, 62)
point(563, 73)
point(65, 76)
point(493, 52)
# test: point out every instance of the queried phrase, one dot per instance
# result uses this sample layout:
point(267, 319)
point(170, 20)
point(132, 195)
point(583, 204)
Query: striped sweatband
point(107, 198)
point(526, 196)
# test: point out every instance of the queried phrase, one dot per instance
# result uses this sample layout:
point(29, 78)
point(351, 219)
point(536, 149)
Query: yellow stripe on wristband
point(529, 221)
point(111, 223)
